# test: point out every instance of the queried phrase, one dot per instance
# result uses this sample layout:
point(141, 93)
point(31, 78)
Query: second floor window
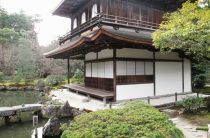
point(75, 23)
point(83, 17)
point(94, 10)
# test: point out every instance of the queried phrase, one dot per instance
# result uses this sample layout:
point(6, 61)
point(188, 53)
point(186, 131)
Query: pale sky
point(50, 27)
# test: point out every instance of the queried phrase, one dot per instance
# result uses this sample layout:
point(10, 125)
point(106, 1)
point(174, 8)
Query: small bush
point(192, 103)
point(54, 80)
point(133, 120)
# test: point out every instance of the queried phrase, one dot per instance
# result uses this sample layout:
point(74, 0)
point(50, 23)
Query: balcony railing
point(110, 20)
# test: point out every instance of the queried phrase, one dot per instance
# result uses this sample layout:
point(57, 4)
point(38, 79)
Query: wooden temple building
point(113, 37)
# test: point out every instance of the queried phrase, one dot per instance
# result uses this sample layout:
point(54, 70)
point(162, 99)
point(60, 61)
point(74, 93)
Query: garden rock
point(52, 128)
point(171, 113)
point(76, 112)
point(40, 85)
point(49, 111)
point(66, 110)
point(2, 88)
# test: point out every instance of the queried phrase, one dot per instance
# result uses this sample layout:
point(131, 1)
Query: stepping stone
point(188, 127)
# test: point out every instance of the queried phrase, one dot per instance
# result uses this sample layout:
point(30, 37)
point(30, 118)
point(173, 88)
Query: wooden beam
point(114, 73)
point(154, 57)
point(68, 68)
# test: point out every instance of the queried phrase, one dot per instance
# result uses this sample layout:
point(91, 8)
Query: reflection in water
point(24, 129)
point(8, 98)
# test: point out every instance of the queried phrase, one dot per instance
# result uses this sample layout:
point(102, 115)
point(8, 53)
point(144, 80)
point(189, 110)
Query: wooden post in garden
point(198, 94)
point(148, 100)
point(176, 97)
point(68, 68)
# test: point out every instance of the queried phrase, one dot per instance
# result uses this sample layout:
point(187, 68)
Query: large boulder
point(52, 128)
point(66, 110)
point(40, 85)
point(2, 88)
point(49, 111)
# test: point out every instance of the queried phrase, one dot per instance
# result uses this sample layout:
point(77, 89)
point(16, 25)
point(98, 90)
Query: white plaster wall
point(94, 70)
point(139, 68)
point(101, 70)
point(121, 68)
point(171, 56)
point(90, 56)
point(168, 77)
point(149, 68)
point(109, 69)
point(107, 53)
point(187, 75)
point(124, 92)
point(88, 70)
point(134, 53)
point(130, 66)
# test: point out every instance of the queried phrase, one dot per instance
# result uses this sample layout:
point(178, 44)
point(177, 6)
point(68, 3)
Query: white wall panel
point(107, 53)
point(171, 56)
point(149, 68)
point(134, 91)
point(101, 70)
point(134, 53)
point(88, 70)
point(94, 70)
point(187, 76)
point(130, 68)
point(90, 56)
point(168, 77)
point(121, 67)
point(109, 69)
point(139, 68)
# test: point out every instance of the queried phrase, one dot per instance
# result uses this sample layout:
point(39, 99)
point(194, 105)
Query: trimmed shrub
point(133, 120)
point(54, 80)
point(191, 103)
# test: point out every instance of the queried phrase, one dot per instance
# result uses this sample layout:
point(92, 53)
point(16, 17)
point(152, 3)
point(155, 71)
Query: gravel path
point(188, 129)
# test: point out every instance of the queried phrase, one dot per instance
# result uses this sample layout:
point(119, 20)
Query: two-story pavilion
point(113, 37)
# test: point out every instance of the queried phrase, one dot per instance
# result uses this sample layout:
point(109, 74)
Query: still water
point(23, 129)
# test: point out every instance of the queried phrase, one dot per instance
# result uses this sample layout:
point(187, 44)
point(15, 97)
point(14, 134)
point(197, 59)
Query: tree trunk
point(1, 58)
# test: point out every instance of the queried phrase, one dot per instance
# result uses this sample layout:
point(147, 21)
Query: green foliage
point(199, 74)
point(78, 74)
point(26, 67)
point(192, 103)
point(135, 119)
point(8, 36)
point(187, 29)
point(54, 80)
point(1, 76)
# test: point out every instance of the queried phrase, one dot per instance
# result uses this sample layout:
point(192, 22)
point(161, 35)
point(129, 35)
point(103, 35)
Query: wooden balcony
point(115, 21)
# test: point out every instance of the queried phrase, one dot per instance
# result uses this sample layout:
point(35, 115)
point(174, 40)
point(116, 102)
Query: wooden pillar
point(182, 74)
point(114, 73)
point(68, 68)
point(154, 72)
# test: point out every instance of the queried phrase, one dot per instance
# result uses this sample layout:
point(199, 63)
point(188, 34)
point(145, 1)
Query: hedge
point(133, 120)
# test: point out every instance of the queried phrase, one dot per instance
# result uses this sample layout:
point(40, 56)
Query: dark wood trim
point(114, 73)
point(99, 60)
point(131, 59)
point(154, 73)
point(134, 79)
point(68, 70)
point(182, 74)
point(191, 75)
point(143, 59)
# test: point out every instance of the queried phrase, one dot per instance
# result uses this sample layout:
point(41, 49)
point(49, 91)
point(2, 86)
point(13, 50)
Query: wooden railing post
point(148, 100)
point(198, 94)
point(175, 96)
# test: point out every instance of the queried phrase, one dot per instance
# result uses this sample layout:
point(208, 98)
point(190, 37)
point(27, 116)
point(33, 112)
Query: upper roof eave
point(67, 7)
